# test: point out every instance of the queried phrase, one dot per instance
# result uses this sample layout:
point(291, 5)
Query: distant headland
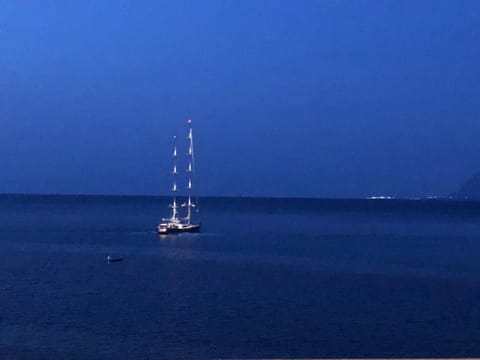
point(470, 189)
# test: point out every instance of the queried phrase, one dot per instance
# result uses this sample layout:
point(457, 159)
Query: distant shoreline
point(250, 197)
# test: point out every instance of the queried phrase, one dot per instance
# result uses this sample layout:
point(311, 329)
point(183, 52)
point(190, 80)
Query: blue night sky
point(288, 98)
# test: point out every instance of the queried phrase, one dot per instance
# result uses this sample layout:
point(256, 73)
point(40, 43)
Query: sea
point(265, 278)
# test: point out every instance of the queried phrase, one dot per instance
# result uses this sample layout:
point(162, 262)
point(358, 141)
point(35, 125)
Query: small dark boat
point(110, 259)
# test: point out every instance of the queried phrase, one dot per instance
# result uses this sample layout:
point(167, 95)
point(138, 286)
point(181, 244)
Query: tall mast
point(174, 174)
point(190, 171)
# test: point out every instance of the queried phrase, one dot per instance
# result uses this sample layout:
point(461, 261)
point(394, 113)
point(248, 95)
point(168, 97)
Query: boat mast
point(174, 188)
point(190, 171)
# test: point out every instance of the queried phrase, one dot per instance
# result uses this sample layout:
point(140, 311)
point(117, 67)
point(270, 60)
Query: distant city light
point(380, 197)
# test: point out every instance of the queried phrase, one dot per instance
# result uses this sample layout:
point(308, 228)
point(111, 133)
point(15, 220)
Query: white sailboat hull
point(172, 228)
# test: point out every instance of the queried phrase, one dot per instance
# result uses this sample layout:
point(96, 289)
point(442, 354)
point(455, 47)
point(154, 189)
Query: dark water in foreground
point(266, 278)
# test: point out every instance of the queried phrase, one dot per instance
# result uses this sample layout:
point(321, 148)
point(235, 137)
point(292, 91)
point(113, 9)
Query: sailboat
point(175, 223)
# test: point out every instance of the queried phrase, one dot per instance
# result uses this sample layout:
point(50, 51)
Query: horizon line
point(373, 198)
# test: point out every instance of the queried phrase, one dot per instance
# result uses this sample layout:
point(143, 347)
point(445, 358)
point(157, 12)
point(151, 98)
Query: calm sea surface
point(265, 278)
